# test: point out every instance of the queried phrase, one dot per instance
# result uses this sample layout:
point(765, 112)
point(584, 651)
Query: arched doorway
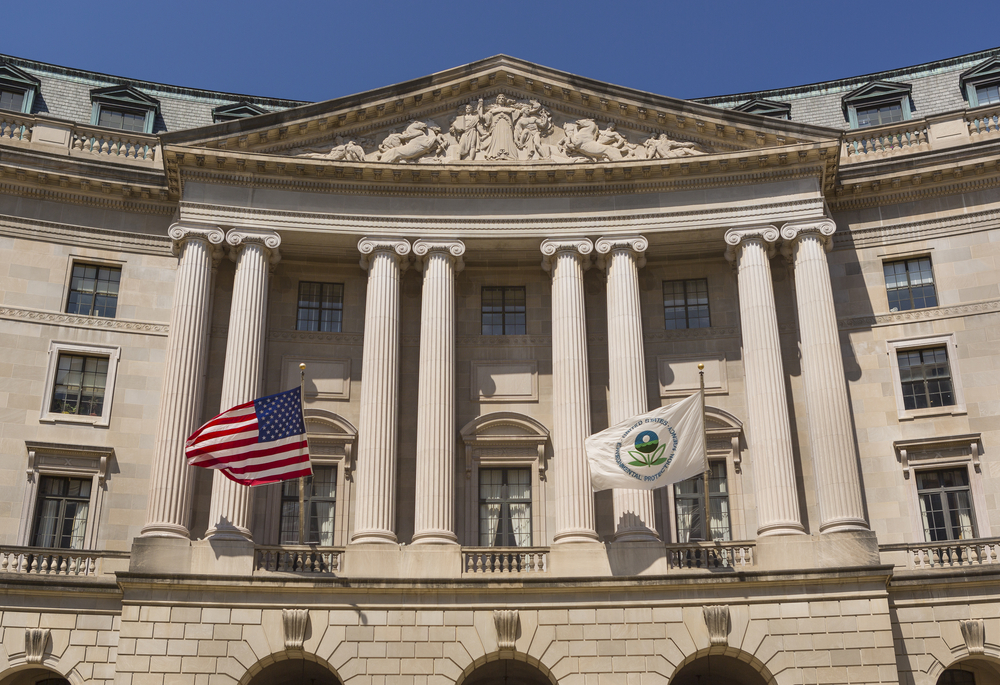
point(507, 672)
point(971, 672)
point(294, 672)
point(718, 670)
point(33, 676)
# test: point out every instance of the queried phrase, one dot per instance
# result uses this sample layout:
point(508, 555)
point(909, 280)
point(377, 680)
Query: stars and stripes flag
point(255, 443)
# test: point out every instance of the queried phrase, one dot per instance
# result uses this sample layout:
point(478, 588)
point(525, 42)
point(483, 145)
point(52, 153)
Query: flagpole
point(302, 479)
point(704, 449)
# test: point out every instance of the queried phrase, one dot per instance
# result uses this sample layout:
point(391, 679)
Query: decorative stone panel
point(717, 622)
point(974, 633)
point(506, 621)
point(35, 640)
point(294, 623)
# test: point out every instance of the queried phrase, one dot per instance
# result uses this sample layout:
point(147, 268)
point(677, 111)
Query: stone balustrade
point(297, 559)
point(15, 127)
point(883, 141)
point(500, 560)
point(944, 554)
point(47, 134)
point(118, 145)
point(983, 122)
point(37, 561)
point(690, 556)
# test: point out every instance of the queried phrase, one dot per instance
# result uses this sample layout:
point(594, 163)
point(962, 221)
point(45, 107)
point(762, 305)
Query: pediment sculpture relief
point(505, 130)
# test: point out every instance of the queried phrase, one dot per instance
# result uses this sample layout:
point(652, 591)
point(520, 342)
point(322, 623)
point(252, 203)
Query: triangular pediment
point(767, 108)
point(127, 96)
point(236, 110)
point(529, 114)
point(877, 90)
point(11, 75)
point(984, 71)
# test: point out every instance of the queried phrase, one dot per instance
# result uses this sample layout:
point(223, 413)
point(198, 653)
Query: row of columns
point(385, 259)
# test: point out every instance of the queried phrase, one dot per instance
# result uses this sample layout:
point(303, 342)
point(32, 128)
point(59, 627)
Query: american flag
point(255, 443)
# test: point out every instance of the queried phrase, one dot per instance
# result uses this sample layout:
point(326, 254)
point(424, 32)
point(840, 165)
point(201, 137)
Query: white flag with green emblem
point(650, 450)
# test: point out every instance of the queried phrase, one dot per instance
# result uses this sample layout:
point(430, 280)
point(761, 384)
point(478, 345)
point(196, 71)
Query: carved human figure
point(611, 137)
point(582, 139)
point(343, 150)
point(532, 124)
point(665, 148)
point(417, 140)
point(467, 130)
point(499, 122)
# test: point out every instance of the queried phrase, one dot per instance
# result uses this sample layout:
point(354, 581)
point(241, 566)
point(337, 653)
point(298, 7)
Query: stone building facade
point(480, 269)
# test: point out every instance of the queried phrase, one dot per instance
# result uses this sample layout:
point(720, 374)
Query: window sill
point(912, 414)
point(101, 421)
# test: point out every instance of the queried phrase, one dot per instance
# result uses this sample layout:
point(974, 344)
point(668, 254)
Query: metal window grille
point(925, 377)
point(685, 304)
point(321, 307)
point(93, 290)
point(946, 504)
point(320, 503)
point(503, 310)
point(909, 284)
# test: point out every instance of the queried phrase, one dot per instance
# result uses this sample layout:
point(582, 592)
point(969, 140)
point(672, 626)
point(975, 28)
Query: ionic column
point(567, 260)
point(168, 511)
point(634, 515)
point(830, 438)
point(434, 518)
point(375, 477)
point(769, 434)
point(255, 253)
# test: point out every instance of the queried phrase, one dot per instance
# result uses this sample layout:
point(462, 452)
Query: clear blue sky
point(321, 50)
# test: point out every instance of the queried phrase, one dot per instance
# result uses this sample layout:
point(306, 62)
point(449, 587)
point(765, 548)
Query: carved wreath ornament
point(504, 130)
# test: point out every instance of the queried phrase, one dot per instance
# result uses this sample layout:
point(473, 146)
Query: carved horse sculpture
point(582, 139)
point(416, 141)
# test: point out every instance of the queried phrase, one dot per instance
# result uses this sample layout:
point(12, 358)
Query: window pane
point(93, 290)
point(504, 310)
point(321, 307)
point(122, 120)
point(909, 284)
point(320, 496)
point(79, 385)
point(61, 513)
point(946, 504)
point(925, 378)
point(685, 304)
point(14, 101)
point(505, 507)
point(690, 505)
point(987, 95)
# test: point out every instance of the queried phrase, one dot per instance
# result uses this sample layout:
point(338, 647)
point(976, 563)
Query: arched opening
point(33, 676)
point(971, 672)
point(507, 672)
point(718, 670)
point(295, 671)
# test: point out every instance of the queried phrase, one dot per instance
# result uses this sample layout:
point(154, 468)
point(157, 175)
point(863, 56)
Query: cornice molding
point(916, 230)
point(918, 315)
point(84, 236)
point(93, 323)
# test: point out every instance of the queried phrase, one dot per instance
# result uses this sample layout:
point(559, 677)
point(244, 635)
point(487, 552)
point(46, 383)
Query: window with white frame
point(925, 376)
point(945, 499)
point(62, 503)
point(79, 383)
point(320, 500)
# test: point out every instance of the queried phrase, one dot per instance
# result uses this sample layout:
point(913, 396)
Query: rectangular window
point(503, 310)
point(909, 284)
point(946, 504)
point(505, 507)
point(93, 290)
point(988, 94)
point(877, 115)
point(690, 505)
point(121, 120)
point(80, 385)
point(685, 304)
point(61, 513)
point(12, 100)
point(925, 378)
point(321, 307)
point(320, 501)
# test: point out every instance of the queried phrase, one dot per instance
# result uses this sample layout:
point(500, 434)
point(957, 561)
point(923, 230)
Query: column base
point(781, 528)
point(844, 525)
point(165, 530)
point(846, 549)
point(434, 537)
point(575, 536)
point(228, 533)
point(376, 537)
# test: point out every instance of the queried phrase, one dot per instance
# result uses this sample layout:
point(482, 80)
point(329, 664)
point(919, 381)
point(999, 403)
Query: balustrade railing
point(710, 555)
point(15, 127)
point(114, 144)
point(946, 554)
point(882, 141)
point(298, 559)
point(37, 561)
point(79, 139)
point(501, 560)
point(984, 122)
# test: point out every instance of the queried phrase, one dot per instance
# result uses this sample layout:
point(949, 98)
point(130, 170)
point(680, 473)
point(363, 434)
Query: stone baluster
point(830, 437)
point(622, 258)
point(434, 518)
point(168, 510)
point(375, 476)
point(255, 253)
point(769, 433)
point(567, 259)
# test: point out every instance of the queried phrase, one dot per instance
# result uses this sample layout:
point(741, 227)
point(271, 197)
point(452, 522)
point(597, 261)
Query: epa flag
point(650, 450)
point(255, 443)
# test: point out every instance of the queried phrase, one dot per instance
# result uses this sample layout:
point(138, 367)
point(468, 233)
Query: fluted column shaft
point(566, 260)
point(830, 435)
point(769, 433)
point(255, 253)
point(634, 509)
point(375, 502)
point(168, 511)
point(434, 518)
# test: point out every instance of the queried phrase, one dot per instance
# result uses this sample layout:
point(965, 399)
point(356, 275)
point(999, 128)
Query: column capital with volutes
point(578, 247)
point(823, 229)
point(238, 238)
point(735, 237)
point(635, 244)
point(180, 233)
point(423, 247)
point(368, 246)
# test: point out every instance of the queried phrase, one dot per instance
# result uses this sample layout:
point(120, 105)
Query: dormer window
point(767, 108)
point(236, 110)
point(981, 84)
point(877, 104)
point(123, 108)
point(17, 89)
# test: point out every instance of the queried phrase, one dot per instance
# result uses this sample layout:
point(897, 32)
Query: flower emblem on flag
point(648, 450)
point(646, 444)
